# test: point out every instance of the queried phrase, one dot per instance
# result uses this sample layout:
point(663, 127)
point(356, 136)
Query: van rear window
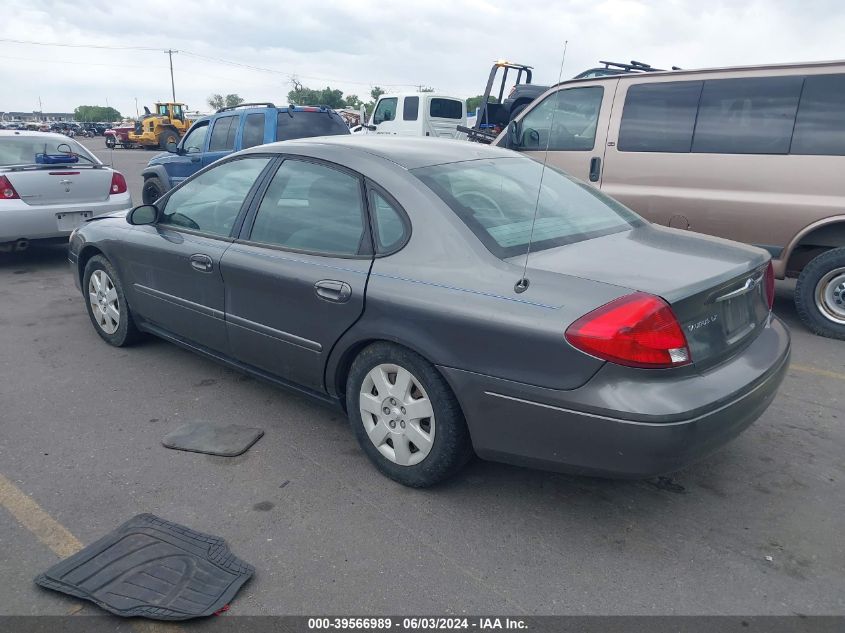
point(820, 126)
point(446, 108)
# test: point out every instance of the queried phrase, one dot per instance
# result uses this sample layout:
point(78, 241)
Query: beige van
point(754, 154)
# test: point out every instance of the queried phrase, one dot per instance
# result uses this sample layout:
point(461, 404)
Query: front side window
point(195, 140)
point(162, 109)
point(410, 108)
point(385, 111)
point(223, 134)
point(496, 199)
point(311, 207)
point(177, 112)
point(211, 202)
point(820, 124)
point(749, 115)
point(446, 109)
point(565, 120)
point(253, 133)
point(659, 117)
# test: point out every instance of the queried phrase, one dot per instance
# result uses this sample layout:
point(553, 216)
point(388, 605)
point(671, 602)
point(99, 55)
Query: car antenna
point(522, 284)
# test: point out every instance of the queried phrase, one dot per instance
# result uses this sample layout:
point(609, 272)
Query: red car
point(119, 136)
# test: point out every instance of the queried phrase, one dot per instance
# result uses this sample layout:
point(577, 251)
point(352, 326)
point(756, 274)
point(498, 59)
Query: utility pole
point(172, 84)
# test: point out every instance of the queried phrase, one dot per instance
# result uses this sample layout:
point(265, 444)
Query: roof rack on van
point(634, 66)
point(266, 104)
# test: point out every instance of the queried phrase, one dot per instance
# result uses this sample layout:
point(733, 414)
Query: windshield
point(496, 198)
point(21, 150)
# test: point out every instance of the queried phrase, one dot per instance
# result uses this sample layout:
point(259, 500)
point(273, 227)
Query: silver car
point(49, 185)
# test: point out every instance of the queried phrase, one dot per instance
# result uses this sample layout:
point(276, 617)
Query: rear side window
point(446, 109)
point(313, 208)
point(253, 133)
point(390, 229)
point(411, 108)
point(750, 115)
point(223, 134)
point(820, 125)
point(659, 117)
point(305, 124)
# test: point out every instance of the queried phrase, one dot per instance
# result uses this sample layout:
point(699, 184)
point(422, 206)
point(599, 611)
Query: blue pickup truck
point(229, 130)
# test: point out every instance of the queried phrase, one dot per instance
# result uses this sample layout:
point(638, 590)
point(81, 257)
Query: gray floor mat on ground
point(226, 440)
point(152, 568)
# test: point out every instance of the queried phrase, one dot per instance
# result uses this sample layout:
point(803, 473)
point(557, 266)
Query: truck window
point(566, 120)
point(410, 108)
point(748, 115)
point(305, 124)
point(820, 125)
point(223, 134)
point(385, 111)
point(195, 140)
point(253, 133)
point(446, 109)
point(659, 117)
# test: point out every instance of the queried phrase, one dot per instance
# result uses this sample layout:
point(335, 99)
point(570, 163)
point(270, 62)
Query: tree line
point(90, 114)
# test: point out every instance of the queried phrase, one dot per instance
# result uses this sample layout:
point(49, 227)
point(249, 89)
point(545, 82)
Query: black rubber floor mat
point(152, 568)
point(228, 440)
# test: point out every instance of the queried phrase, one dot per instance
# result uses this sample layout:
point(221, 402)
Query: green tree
point(376, 92)
point(86, 113)
point(352, 101)
point(302, 95)
point(474, 102)
point(217, 101)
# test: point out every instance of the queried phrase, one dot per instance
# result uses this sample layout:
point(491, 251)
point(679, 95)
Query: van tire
point(820, 294)
point(152, 190)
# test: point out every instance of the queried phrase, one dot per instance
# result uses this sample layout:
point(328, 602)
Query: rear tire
point(107, 307)
point(110, 142)
point(416, 435)
point(820, 294)
point(152, 190)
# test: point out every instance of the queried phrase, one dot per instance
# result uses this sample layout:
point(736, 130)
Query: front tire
point(405, 416)
point(106, 302)
point(152, 190)
point(820, 294)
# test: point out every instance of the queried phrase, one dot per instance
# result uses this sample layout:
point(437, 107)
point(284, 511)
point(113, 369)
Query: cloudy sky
point(356, 44)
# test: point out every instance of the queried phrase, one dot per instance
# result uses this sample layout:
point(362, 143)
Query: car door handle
point(201, 263)
point(595, 169)
point(334, 291)
point(195, 159)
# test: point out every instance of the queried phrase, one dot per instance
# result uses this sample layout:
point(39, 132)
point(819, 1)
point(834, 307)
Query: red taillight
point(7, 191)
point(637, 330)
point(770, 285)
point(118, 183)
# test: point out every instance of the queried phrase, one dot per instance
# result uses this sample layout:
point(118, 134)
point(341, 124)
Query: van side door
point(571, 123)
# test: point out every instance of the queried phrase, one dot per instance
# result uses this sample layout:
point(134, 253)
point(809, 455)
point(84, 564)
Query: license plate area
point(71, 220)
point(738, 317)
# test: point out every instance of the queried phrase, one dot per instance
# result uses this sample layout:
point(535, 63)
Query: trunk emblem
point(692, 327)
point(67, 183)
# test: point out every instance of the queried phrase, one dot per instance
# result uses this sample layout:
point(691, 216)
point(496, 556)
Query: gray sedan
point(454, 299)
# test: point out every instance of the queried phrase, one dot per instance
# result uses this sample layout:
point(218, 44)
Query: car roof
point(407, 152)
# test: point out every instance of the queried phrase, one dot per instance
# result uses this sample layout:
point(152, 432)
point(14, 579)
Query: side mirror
point(172, 147)
point(145, 214)
point(514, 135)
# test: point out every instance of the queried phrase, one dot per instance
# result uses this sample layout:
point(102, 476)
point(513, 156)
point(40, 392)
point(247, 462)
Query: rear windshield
point(496, 199)
point(21, 150)
point(305, 124)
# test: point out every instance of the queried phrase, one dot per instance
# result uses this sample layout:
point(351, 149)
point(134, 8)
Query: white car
point(50, 185)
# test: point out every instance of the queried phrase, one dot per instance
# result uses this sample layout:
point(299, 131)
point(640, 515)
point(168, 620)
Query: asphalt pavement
point(754, 529)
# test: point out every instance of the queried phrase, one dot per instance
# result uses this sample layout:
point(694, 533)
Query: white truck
point(418, 114)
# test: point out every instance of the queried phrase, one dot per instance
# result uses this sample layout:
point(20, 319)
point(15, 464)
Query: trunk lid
point(57, 184)
point(715, 287)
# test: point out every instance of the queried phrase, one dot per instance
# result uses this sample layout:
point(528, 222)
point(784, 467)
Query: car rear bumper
point(624, 423)
point(35, 222)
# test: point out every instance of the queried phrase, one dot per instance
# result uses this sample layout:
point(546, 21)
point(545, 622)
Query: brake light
point(770, 285)
point(637, 330)
point(118, 183)
point(7, 191)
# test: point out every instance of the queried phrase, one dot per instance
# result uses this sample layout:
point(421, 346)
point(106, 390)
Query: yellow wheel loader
point(156, 129)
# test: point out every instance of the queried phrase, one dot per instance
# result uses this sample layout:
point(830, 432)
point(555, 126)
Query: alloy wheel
point(397, 414)
point(102, 295)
